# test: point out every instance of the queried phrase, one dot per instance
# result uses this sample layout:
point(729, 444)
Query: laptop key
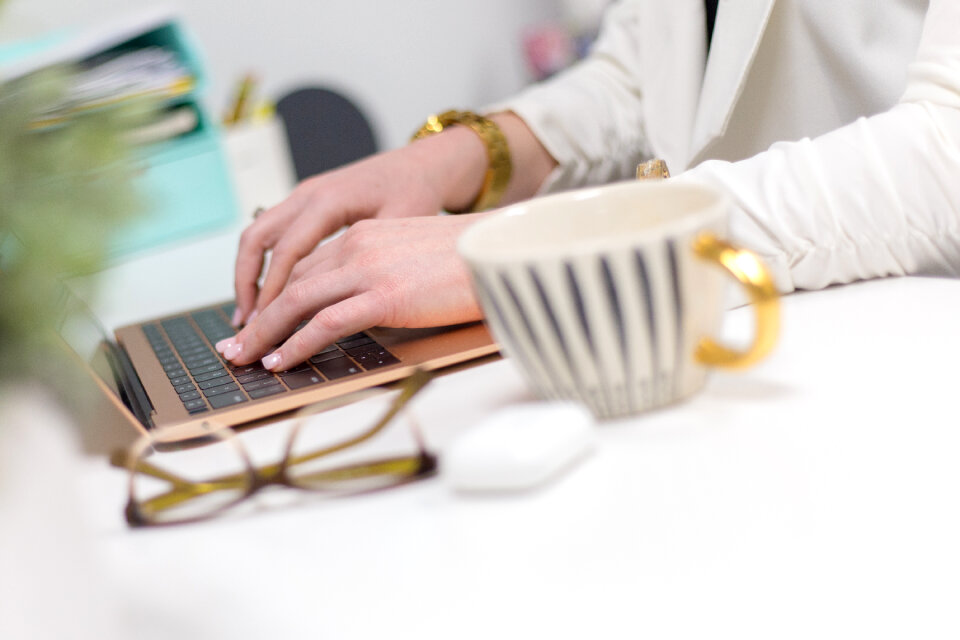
point(328, 349)
point(300, 367)
point(201, 360)
point(346, 345)
point(376, 360)
point(227, 399)
point(176, 374)
point(260, 384)
point(220, 390)
point(215, 382)
point(337, 368)
point(184, 379)
point(198, 348)
point(266, 391)
point(207, 368)
point(190, 395)
point(183, 337)
point(183, 388)
point(373, 347)
point(328, 355)
point(300, 379)
point(195, 406)
point(371, 351)
point(195, 351)
point(244, 369)
point(210, 375)
point(193, 359)
point(256, 375)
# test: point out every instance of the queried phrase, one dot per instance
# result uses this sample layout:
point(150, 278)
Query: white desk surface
point(814, 496)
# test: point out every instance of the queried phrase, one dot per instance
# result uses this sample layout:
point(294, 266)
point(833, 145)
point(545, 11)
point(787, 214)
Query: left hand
point(391, 272)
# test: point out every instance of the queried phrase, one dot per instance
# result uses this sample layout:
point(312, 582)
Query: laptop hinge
point(132, 390)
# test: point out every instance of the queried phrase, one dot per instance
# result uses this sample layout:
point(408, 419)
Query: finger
point(246, 272)
point(289, 250)
point(279, 319)
point(342, 319)
point(255, 240)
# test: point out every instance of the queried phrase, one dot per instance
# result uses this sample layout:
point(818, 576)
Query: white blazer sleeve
point(875, 198)
point(607, 145)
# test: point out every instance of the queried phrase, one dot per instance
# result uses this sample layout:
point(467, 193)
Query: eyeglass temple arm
point(118, 459)
point(182, 489)
point(182, 493)
point(417, 380)
point(398, 466)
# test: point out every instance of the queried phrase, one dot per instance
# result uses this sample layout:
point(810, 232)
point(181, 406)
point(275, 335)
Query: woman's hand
point(390, 267)
point(420, 179)
point(389, 272)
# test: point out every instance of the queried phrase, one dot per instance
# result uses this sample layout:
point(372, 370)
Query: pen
point(240, 100)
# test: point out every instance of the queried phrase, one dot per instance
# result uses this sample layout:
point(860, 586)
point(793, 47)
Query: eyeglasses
point(179, 500)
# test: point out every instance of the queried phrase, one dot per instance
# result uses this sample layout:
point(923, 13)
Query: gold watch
point(499, 165)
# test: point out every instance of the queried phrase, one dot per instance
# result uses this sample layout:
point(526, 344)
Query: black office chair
point(324, 130)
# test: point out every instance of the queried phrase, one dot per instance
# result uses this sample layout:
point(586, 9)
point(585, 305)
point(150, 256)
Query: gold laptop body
point(168, 373)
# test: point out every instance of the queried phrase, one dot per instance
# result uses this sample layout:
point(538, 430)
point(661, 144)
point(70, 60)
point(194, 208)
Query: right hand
point(416, 180)
point(393, 273)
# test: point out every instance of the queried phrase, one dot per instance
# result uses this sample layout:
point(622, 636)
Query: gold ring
point(655, 169)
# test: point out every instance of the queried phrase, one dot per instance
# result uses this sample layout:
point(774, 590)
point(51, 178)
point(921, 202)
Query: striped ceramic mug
point(609, 295)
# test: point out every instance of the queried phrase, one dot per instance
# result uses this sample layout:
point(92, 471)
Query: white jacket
point(835, 126)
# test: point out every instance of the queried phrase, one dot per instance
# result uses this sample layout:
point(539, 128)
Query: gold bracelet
point(499, 165)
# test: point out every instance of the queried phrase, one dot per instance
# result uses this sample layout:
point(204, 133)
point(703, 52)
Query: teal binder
point(184, 181)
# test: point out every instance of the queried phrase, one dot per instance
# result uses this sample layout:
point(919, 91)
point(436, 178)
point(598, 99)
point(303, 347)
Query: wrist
point(481, 166)
point(456, 161)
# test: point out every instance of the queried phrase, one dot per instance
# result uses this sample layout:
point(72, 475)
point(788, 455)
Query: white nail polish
point(232, 351)
point(237, 318)
point(272, 361)
point(224, 344)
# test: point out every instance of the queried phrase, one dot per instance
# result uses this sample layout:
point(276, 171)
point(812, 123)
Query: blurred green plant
point(65, 181)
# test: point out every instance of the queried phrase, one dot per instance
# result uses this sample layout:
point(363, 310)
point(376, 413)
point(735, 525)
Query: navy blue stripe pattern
point(528, 326)
point(678, 307)
point(643, 273)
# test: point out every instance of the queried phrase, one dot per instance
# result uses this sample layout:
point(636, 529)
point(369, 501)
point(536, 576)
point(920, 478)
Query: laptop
point(165, 372)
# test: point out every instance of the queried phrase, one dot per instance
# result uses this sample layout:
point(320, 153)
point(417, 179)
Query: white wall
point(399, 59)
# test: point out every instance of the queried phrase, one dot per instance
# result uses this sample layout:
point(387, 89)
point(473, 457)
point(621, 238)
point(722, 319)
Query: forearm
point(876, 198)
point(532, 163)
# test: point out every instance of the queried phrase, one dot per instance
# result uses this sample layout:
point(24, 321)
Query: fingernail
point(232, 351)
point(224, 344)
point(237, 318)
point(250, 318)
point(272, 361)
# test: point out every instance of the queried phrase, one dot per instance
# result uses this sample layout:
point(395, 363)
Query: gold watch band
point(499, 164)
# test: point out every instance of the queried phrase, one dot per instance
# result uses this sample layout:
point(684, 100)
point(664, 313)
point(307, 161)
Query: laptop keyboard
point(205, 381)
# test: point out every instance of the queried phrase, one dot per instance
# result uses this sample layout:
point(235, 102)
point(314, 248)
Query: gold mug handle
point(747, 268)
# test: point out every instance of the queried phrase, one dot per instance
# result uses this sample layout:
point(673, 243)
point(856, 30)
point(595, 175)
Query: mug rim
point(471, 243)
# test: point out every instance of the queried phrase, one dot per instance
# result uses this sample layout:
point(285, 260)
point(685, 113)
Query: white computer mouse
point(519, 446)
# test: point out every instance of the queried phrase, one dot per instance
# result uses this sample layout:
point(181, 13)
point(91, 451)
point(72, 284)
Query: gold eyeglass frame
point(403, 469)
